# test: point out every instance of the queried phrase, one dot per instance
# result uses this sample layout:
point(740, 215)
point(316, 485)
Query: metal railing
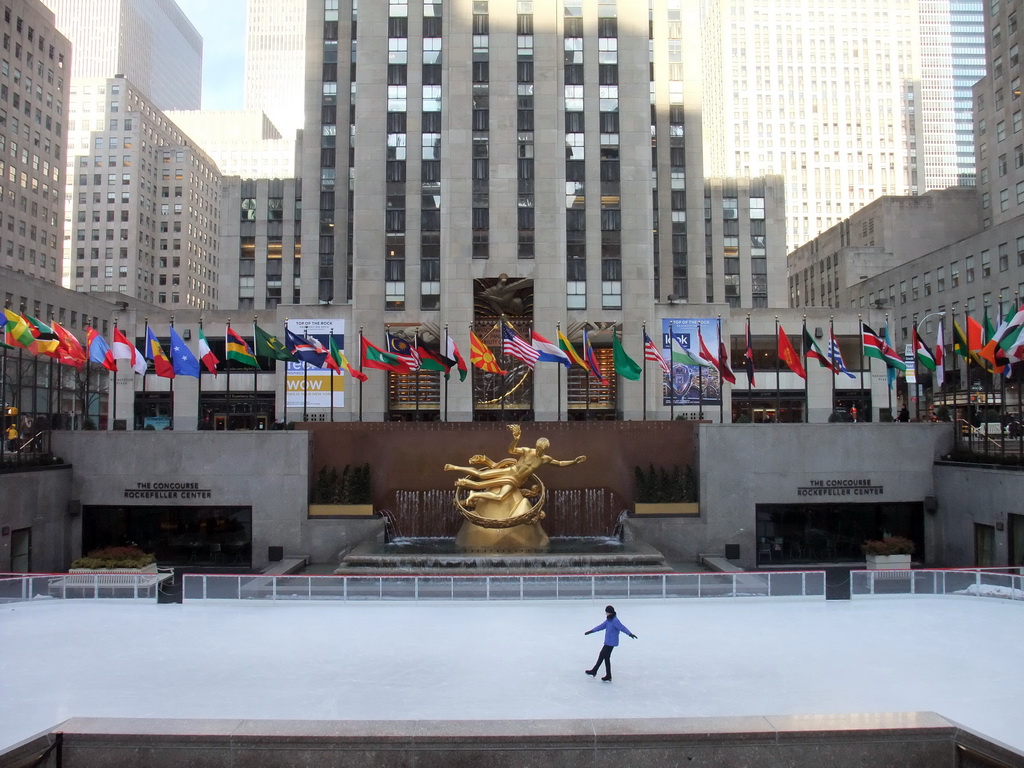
point(65, 586)
point(510, 587)
point(1005, 583)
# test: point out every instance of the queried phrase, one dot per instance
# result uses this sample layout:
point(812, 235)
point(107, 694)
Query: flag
point(812, 351)
point(835, 356)
point(680, 353)
point(514, 345)
point(481, 356)
point(1005, 338)
point(922, 355)
point(206, 354)
point(17, 330)
point(125, 350)
point(894, 361)
point(70, 350)
point(548, 352)
point(46, 341)
point(651, 352)
point(995, 364)
point(404, 351)
point(184, 362)
point(270, 346)
point(304, 350)
point(625, 366)
point(329, 362)
point(940, 358)
point(372, 356)
point(748, 357)
point(566, 346)
point(235, 348)
point(871, 343)
point(591, 358)
point(723, 359)
point(99, 350)
point(452, 352)
point(154, 352)
point(960, 345)
point(342, 362)
point(723, 371)
point(431, 359)
point(789, 356)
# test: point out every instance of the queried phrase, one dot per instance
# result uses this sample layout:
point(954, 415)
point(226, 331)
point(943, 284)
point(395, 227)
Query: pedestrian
point(904, 416)
point(12, 437)
point(612, 627)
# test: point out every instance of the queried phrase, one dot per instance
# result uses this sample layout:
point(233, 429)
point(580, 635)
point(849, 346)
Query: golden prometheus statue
point(503, 502)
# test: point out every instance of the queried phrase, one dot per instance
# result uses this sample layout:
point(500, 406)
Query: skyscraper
point(151, 42)
point(848, 100)
point(275, 61)
point(33, 97)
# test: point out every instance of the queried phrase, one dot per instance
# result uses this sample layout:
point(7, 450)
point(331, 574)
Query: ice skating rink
point(957, 656)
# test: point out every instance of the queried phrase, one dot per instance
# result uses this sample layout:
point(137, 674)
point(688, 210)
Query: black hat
point(609, 609)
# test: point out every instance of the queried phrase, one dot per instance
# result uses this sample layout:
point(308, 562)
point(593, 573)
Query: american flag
point(515, 345)
point(651, 352)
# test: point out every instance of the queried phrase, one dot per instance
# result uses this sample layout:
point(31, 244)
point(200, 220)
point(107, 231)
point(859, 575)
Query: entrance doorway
point(984, 545)
point(21, 550)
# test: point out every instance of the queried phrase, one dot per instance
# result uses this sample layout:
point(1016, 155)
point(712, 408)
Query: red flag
point(70, 350)
point(789, 356)
point(374, 357)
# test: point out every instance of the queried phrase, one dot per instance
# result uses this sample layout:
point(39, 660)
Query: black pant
point(606, 657)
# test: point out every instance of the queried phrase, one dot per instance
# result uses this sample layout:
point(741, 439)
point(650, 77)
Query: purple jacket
point(612, 627)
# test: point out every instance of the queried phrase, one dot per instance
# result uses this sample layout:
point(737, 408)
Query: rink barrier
point(1004, 583)
point(810, 584)
point(66, 586)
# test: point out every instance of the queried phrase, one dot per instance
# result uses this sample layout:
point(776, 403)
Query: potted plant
point(129, 558)
point(890, 553)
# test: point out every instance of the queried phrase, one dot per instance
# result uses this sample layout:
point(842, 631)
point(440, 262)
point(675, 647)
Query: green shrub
point(115, 557)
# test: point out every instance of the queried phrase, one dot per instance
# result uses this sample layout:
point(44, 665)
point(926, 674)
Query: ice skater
point(612, 627)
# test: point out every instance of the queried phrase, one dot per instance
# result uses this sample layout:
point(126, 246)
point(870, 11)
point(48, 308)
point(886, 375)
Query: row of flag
point(993, 348)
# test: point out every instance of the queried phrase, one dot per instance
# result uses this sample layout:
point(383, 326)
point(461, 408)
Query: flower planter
point(151, 568)
point(887, 562)
point(679, 508)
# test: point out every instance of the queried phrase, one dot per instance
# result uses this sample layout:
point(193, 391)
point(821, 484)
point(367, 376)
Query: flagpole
point(447, 374)
point(361, 362)
point(199, 386)
point(671, 372)
point(1002, 384)
point(227, 371)
point(917, 381)
point(256, 369)
point(888, 384)
point(330, 368)
point(171, 385)
point(831, 337)
point(721, 380)
point(807, 376)
point(643, 387)
point(778, 377)
point(860, 327)
point(504, 379)
point(113, 405)
point(305, 380)
point(558, 380)
point(750, 388)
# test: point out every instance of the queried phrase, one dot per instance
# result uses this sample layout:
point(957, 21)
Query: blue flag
point(305, 350)
point(184, 362)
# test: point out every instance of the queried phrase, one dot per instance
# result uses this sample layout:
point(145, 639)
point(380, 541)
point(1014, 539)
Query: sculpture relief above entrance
point(502, 320)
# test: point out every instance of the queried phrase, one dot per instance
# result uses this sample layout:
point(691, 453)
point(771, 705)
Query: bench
point(110, 584)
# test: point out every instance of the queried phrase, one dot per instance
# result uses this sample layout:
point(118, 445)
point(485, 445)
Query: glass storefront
point(179, 536)
point(815, 533)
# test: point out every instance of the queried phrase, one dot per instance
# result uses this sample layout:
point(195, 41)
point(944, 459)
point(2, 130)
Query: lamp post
point(917, 381)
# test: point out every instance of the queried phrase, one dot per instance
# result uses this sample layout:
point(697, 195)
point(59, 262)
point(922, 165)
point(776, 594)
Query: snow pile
point(991, 590)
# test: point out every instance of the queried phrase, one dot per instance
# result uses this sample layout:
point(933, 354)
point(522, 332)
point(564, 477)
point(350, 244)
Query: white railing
point(510, 587)
point(64, 586)
point(1006, 583)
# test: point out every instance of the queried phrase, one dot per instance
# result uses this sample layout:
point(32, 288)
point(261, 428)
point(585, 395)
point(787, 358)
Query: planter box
point(680, 508)
point(887, 562)
point(341, 510)
point(151, 568)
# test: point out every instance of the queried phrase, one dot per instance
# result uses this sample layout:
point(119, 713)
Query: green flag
point(625, 366)
point(271, 346)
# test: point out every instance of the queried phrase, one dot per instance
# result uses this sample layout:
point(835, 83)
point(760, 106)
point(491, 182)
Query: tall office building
point(275, 61)
point(242, 142)
point(468, 159)
point(967, 38)
point(144, 201)
point(849, 100)
point(33, 101)
point(151, 42)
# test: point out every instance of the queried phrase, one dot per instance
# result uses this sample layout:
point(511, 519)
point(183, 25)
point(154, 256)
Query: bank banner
point(689, 384)
point(307, 386)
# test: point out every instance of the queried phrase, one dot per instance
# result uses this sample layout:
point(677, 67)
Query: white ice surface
point(467, 660)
